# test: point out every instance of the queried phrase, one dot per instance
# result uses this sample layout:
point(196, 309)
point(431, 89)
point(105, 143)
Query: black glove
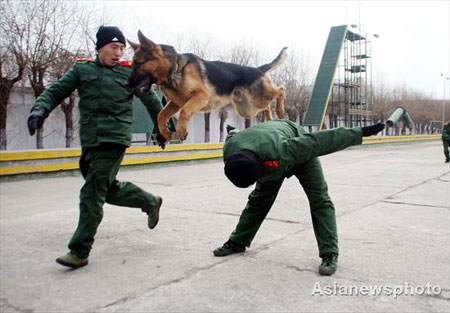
point(36, 119)
point(230, 128)
point(160, 140)
point(372, 130)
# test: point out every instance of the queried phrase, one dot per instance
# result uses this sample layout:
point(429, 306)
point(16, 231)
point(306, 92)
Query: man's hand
point(372, 130)
point(36, 118)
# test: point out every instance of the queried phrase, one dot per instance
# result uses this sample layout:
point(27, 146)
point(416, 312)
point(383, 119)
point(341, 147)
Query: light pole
point(443, 100)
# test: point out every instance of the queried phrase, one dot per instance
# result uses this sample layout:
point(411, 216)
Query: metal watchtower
point(343, 83)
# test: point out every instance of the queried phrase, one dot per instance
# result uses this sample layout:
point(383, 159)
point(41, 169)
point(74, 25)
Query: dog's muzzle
point(145, 83)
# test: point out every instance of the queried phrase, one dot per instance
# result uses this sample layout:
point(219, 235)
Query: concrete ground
point(392, 203)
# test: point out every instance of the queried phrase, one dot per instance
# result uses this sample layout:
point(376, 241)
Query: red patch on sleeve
point(272, 163)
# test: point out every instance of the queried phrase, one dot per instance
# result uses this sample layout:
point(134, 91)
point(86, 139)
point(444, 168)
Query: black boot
point(228, 248)
point(329, 264)
point(71, 260)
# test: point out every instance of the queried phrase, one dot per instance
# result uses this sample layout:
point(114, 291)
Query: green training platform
point(315, 113)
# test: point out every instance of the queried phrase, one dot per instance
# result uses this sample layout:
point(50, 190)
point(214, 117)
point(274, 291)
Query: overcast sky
point(412, 49)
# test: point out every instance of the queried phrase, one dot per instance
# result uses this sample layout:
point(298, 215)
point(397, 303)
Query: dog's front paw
point(182, 134)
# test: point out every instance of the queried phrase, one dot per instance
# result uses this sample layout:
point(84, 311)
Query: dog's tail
point(275, 63)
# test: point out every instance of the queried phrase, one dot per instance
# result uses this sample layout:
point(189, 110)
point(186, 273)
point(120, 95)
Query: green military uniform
point(446, 140)
point(106, 120)
point(286, 150)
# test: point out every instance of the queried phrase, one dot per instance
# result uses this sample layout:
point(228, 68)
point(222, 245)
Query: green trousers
point(446, 144)
point(99, 166)
point(261, 199)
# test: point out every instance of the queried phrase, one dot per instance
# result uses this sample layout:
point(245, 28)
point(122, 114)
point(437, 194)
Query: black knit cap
point(107, 34)
point(242, 168)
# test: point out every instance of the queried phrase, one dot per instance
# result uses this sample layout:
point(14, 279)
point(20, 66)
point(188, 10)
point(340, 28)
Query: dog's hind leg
point(163, 116)
point(262, 93)
point(197, 102)
point(280, 102)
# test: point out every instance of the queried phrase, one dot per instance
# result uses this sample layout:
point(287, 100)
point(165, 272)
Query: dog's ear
point(133, 45)
point(145, 42)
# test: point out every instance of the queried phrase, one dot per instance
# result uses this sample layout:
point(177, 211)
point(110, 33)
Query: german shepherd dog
point(192, 84)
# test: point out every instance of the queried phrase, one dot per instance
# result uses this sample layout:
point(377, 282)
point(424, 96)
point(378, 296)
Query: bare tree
point(243, 55)
point(35, 32)
point(12, 60)
point(52, 27)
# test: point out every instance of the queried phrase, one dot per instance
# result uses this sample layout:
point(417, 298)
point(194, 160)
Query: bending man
point(268, 153)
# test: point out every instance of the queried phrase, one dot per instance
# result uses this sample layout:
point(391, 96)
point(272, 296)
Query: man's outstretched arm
point(306, 146)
